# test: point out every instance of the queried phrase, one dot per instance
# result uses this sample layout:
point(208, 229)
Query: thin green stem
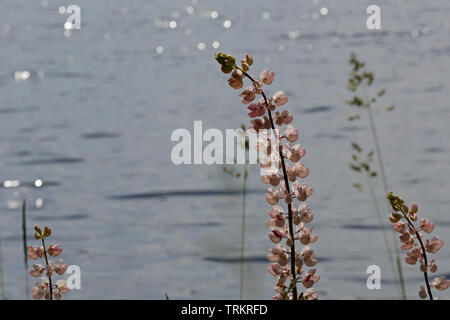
point(1, 273)
point(381, 224)
point(46, 267)
point(386, 190)
point(24, 240)
point(378, 148)
point(244, 196)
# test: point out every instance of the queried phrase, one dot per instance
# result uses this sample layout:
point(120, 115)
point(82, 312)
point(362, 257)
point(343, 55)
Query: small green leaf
point(356, 147)
point(390, 108)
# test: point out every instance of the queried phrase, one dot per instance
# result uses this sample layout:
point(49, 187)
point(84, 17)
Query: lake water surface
point(94, 116)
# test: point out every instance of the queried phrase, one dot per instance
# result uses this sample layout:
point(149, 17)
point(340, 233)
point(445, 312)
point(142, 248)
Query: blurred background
point(86, 118)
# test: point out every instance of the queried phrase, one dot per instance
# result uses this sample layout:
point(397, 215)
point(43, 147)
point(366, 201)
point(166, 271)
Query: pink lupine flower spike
point(45, 288)
point(285, 264)
point(417, 251)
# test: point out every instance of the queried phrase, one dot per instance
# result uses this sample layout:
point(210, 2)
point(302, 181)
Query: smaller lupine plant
point(45, 288)
point(412, 241)
point(287, 263)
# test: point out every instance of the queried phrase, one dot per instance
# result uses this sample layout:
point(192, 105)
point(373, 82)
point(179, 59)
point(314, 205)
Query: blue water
point(94, 118)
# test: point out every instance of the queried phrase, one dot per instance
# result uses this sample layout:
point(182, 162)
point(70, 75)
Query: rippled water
point(91, 115)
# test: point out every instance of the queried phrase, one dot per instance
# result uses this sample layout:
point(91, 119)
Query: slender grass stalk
point(2, 290)
point(24, 240)
point(361, 79)
point(386, 191)
point(378, 149)
point(380, 222)
point(244, 196)
point(244, 174)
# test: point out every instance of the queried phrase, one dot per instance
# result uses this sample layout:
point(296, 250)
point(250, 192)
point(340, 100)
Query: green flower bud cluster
point(39, 234)
point(228, 62)
point(395, 201)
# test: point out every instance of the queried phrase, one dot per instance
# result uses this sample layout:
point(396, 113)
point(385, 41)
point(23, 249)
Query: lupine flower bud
point(399, 226)
point(283, 118)
point(301, 170)
point(226, 69)
point(249, 59)
point(395, 217)
point(305, 213)
point(433, 245)
point(291, 133)
point(248, 95)
point(235, 83)
point(433, 266)
point(273, 196)
point(227, 62)
point(426, 225)
point(35, 252)
point(310, 277)
point(61, 288)
point(37, 270)
point(47, 232)
point(275, 269)
point(266, 76)
point(256, 110)
point(272, 179)
point(244, 65)
point(279, 98)
point(59, 267)
point(440, 283)
point(237, 74)
point(37, 229)
point(54, 250)
point(41, 289)
point(422, 292)
point(275, 236)
point(310, 295)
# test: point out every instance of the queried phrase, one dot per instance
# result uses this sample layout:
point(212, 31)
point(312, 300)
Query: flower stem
point(425, 274)
point(46, 267)
point(2, 296)
point(24, 240)
point(288, 191)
